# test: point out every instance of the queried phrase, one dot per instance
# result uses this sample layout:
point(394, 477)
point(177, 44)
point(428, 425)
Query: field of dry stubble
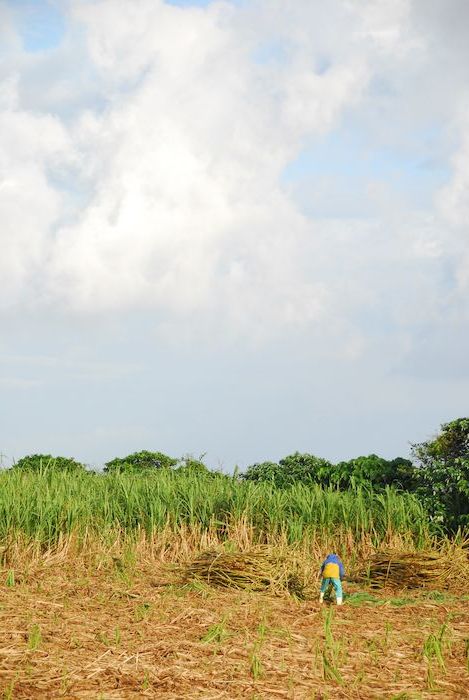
point(68, 630)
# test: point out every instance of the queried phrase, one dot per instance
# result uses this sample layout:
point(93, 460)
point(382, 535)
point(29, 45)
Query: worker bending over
point(332, 572)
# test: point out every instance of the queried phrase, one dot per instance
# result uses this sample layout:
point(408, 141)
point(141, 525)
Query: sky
point(232, 228)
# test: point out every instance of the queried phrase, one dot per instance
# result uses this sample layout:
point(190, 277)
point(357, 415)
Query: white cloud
point(167, 194)
point(30, 144)
point(187, 212)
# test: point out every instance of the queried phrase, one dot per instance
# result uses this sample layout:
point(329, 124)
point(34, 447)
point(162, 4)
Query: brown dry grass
point(106, 627)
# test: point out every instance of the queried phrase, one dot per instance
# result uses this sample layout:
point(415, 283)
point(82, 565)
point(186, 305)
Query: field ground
point(71, 632)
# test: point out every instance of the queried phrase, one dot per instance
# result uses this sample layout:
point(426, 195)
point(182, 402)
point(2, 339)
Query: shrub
point(140, 461)
point(37, 463)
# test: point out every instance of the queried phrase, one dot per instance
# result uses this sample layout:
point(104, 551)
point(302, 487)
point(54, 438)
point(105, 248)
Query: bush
point(296, 468)
point(140, 461)
point(38, 463)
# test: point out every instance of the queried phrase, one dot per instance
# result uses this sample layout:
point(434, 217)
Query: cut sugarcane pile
point(257, 570)
point(437, 570)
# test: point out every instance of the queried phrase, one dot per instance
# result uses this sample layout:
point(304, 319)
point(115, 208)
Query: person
point(332, 572)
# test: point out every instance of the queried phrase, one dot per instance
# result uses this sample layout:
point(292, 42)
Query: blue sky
point(242, 231)
point(40, 24)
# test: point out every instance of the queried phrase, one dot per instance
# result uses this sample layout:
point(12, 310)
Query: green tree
point(369, 471)
point(39, 462)
point(307, 468)
point(442, 474)
point(265, 471)
point(141, 461)
point(374, 471)
point(296, 468)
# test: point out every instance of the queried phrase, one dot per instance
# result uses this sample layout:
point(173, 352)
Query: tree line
point(438, 472)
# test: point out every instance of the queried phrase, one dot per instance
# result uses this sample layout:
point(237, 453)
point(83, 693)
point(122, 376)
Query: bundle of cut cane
point(257, 570)
point(439, 569)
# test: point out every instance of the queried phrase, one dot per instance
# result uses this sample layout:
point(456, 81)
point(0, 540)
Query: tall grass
point(46, 506)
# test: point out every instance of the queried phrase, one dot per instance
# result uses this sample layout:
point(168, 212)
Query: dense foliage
point(442, 474)
point(306, 468)
point(296, 468)
point(374, 470)
point(438, 474)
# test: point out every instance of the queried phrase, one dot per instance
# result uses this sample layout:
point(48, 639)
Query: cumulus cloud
point(30, 145)
point(187, 210)
point(166, 193)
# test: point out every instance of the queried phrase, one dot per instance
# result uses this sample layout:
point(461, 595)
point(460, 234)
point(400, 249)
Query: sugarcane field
point(180, 582)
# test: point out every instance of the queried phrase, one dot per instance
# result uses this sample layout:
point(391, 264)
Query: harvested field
point(71, 630)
